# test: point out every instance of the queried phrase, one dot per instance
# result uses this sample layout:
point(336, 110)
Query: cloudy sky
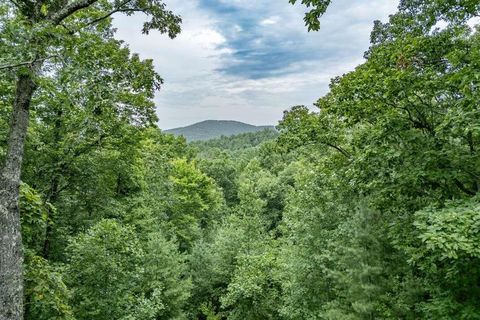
point(248, 60)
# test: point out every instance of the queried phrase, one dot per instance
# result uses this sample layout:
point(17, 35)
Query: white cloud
point(195, 90)
point(270, 21)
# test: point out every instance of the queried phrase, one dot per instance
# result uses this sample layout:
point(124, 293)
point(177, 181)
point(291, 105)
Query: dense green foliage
point(366, 209)
point(237, 142)
point(211, 129)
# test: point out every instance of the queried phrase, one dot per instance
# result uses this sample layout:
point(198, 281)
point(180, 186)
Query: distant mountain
point(211, 129)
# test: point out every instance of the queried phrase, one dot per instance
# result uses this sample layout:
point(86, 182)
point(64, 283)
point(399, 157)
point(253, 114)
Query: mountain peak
point(210, 129)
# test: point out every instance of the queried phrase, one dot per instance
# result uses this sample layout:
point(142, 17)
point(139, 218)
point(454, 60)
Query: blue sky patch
point(249, 60)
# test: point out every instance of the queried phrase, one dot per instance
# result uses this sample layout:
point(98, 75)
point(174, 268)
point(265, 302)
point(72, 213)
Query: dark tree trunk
point(50, 219)
point(11, 251)
point(54, 191)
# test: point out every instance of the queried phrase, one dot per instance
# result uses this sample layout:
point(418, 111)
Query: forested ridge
point(367, 208)
point(212, 129)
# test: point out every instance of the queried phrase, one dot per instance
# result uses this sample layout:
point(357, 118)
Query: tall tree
point(36, 36)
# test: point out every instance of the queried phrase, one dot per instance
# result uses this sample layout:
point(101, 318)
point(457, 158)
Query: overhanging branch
point(57, 17)
point(26, 63)
point(110, 14)
point(15, 3)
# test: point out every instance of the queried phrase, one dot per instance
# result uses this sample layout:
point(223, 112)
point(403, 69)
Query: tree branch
point(109, 14)
point(339, 149)
point(26, 63)
point(118, 9)
point(57, 17)
point(16, 4)
point(15, 65)
point(463, 188)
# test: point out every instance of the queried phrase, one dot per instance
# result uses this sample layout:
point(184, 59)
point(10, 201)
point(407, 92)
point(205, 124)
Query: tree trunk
point(49, 229)
point(11, 251)
point(53, 192)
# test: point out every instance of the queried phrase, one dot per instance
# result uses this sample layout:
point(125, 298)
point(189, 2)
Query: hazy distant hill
point(211, 129)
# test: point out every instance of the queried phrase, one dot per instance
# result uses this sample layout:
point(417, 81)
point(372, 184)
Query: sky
point(249, 60)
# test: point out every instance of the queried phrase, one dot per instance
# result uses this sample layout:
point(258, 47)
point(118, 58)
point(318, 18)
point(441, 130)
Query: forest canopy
point(366, 208)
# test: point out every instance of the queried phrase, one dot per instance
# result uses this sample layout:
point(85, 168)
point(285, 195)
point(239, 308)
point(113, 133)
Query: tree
point(214, 261)
point(445, 250)
point(254, 290)
point(46, 295)
point(400, 134)
point(193, 205)
point(37, 36)
point(116, 275)
point(109, 94)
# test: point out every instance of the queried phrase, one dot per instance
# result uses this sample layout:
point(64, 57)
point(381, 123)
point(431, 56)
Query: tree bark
point(11, 250)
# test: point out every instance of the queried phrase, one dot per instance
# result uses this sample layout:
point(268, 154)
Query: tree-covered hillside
point(238, 142)
point(368, 208)
point(211, 129)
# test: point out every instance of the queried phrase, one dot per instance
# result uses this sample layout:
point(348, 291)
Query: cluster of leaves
point(316, 10)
